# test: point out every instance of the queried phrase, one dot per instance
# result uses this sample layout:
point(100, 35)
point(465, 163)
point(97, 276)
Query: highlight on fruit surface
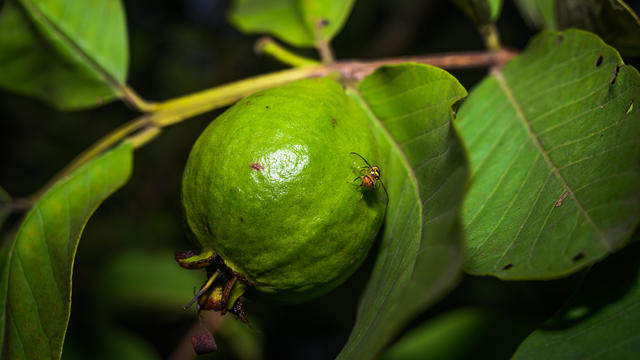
point(269, 198)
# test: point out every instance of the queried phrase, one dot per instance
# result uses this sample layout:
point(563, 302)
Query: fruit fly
point(371, 179)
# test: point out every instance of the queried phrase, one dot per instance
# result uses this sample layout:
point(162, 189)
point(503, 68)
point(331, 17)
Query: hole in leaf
point(507, 267)
point(578, 257)
point(598, 61)
point(615, 75)
point(629, 108)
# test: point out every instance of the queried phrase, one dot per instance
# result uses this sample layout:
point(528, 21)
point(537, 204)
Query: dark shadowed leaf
point(425, 169)
point(244, 341)
point(300, 23)
point(467, 333)
point(117, 343)
point(71, 54)
point(148, 280)
point(5, 203)
point(482, 12)
point(601, 322)
point(553, 141)
point(35, 283)
point(538, 13)
point(613, 20)
point(108, 343)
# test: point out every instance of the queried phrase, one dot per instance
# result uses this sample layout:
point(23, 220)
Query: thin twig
point(322, 43)
point(268, 46)
point(357, 70)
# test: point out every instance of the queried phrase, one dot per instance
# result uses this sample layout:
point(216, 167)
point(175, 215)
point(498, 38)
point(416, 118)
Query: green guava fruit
point(274, 195)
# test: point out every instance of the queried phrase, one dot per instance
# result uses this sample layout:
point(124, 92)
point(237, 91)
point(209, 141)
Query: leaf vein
point(632, 142)
point(37, 308)
point(555, 170)
point(414, 138)
point(496, 186)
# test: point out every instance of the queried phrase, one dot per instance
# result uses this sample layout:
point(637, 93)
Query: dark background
point(179, 47)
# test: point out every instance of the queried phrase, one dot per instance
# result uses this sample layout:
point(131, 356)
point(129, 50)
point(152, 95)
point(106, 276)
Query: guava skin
point(269, 188)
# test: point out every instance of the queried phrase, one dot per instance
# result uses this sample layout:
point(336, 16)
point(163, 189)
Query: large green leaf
point(601, 322)
point(553, 141)
point(425, 169)
point(35, 282)
point(482, 12)
point(298, 22)
point(71, 54)
point(613, 20)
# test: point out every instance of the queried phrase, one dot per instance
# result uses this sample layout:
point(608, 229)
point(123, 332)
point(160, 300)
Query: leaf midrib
point(68, 41)
point(536, 141)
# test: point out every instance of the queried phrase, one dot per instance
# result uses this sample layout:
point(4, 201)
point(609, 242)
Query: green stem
point(132, 98)
point(322, 44)
point(326, 53)
point(491, 37)
point(144, 136)
point(267, 46)
point(178, 109)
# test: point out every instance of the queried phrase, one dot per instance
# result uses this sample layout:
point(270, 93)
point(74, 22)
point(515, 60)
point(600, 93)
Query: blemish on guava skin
point(267, 107)
point(257, 166)
point(333, 122)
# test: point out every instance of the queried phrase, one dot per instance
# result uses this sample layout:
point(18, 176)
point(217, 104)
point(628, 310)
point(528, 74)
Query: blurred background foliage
point(127, 291)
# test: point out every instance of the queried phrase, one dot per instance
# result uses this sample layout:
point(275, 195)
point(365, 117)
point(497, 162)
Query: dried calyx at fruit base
point(223, 289)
